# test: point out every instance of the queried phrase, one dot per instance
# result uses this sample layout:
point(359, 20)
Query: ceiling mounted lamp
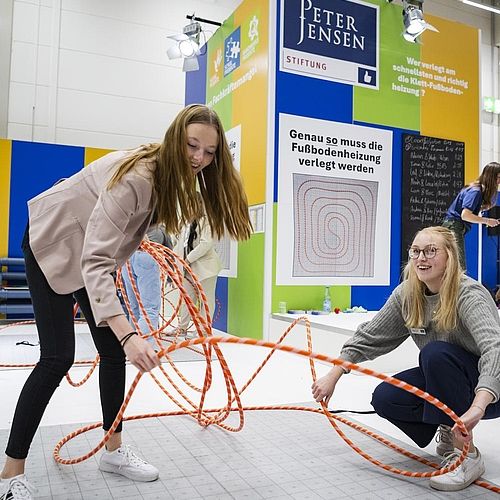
point(189, 43)
point(413, 20)
point(187, 46)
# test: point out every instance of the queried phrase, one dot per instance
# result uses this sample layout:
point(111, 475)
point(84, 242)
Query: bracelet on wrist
point(345, 370)
point(126, 338)
point(480, 407)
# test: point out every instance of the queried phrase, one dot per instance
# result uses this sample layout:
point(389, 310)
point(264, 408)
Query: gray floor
point(278, 454)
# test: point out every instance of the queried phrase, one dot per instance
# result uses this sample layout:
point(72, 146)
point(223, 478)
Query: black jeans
point(55, 324)
point(445, 371)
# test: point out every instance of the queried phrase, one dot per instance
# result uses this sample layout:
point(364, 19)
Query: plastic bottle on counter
point(327, 301)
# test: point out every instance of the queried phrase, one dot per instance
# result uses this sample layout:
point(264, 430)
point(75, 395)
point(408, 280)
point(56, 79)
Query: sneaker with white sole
point(125, 462)
point(444, 440)
point(176, 332)
point(471, 469)
point(16, 488)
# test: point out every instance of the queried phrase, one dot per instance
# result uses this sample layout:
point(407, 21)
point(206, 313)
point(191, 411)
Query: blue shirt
point(469, 197)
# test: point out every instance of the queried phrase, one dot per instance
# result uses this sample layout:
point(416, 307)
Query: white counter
point(330, 331)
point(344, 323)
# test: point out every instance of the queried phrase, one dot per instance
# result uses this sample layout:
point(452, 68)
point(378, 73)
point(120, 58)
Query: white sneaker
point(444, 440)
point(125, 462)
point(472, 468)
point(16, 488)
point(176, 332)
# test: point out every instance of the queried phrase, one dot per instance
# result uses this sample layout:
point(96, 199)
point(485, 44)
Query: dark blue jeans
point(55, 324)
point(445, 371)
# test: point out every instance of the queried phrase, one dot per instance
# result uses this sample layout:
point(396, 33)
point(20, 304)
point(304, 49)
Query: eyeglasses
point(429, 252)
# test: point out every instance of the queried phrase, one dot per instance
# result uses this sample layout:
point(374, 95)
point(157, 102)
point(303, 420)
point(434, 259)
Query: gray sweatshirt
point(158, 235)
point(477, 331)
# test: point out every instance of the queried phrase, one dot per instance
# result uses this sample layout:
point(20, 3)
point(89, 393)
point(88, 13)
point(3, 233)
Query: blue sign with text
point(232, 49)
point(331, 39)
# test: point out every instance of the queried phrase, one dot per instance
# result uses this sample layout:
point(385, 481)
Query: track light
point(413, 20)
point(188, 44)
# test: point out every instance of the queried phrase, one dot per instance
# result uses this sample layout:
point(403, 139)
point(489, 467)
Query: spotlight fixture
point(189, 43)
point(413, 20)
point(187, 46)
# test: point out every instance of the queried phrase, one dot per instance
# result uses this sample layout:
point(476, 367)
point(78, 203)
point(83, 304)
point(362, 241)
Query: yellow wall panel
point(249, 104)
point(452, 111)
point(92, 154)
point(5, 160)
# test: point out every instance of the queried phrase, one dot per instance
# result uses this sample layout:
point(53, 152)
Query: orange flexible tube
point(176, 269)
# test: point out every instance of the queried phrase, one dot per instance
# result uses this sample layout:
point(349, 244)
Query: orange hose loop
point(352, 366)
point(177, 270)
point(214, 341)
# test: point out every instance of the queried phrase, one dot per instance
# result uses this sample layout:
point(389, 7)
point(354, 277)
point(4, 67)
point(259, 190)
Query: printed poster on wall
point(226, 248)
point(331, 39)
point(334, 203)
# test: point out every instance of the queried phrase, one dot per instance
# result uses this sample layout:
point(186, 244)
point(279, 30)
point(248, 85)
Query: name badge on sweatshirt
point(418, 331)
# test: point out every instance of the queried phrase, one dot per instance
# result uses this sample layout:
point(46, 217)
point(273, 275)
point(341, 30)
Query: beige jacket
point(80, 232)
point(203, 259)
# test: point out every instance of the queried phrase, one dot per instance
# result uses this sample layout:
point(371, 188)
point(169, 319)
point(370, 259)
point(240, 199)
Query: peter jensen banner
point(331, 40)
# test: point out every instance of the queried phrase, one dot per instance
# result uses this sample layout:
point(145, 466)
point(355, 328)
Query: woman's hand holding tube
point(140, 353)
point(323, 388)
point(470, 419)
point(473, 415)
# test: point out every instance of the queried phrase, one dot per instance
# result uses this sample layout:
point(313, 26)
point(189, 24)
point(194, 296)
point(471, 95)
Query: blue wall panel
point(196, 83)
point(311, 97)
point(490, 256)
point(220, 312)
point(35, 167)
point(490, 266)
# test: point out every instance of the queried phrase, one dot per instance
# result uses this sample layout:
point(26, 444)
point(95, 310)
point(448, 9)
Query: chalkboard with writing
point(433, 174)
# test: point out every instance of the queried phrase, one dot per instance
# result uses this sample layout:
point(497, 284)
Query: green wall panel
point(245, 308)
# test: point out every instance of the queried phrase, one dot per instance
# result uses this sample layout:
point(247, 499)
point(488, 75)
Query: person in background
point(454, 322)
point(146, 277)
point(477, 197)
point(85, 228)
point(196, 246)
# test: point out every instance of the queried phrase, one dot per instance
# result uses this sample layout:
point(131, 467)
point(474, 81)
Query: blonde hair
point(176, 201)
point(413, 294)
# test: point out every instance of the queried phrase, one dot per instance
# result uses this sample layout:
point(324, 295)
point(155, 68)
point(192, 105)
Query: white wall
point(6, 8)
point(95, 72)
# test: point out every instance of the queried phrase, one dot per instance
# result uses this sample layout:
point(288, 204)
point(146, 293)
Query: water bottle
point(327, 302)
